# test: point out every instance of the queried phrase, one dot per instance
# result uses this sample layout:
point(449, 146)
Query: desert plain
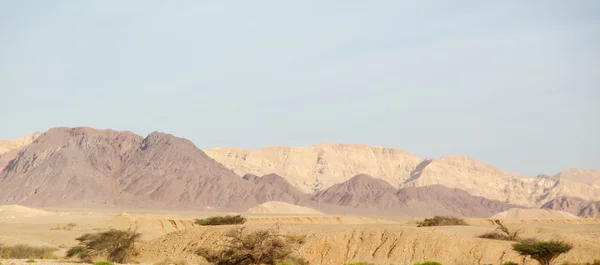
point(331, 239)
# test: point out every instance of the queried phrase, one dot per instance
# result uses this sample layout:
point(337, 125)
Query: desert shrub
point(359, 263)
point(510, 263)
point(171, 262)
point(429, 263)
point(542, 251)
point(104, 263)
point(67, 227)
point(30, 261)
point(222, 220)
point(441, 221)
point(501, 233)
point(117, 245)
point(266, 246)
point(26, 252)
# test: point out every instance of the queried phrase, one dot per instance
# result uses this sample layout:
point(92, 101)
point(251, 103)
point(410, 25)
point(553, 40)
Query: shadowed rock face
point(576, 206)
point(367, 194)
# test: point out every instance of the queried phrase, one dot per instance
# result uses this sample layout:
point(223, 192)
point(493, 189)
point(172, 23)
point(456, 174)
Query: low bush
point(360, 263)
point(30, 261)
point(117, 245)
point(442, 221)
point(171, 262)
point(510, 263)
point(222, 220)
point(26, 252)
point(266, 246)
point(429, 263)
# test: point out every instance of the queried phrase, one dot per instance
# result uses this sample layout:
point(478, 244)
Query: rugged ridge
point(336, 163)
point(83, 166)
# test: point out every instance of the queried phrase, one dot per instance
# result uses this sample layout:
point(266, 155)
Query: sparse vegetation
point(117, 245)
point(30, 261)
point(222, 220)
point(172, 262)
point(359, 263)
point(442, 221)
point(429, 263)
point(501, 233)
point(67, 227)
point(542, 251)
point(104, 263)
point(510, 263)
point(26, 252)
point(266, 246)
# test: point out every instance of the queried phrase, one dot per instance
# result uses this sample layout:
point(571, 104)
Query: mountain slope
point(331, 163)
point(77, 166)
point(576, 206)
point(583, 175)
point(15, 144)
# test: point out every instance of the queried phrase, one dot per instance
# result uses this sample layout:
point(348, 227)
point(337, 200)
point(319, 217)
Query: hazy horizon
point(513, 84)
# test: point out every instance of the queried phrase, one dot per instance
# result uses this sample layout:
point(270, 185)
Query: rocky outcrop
point(574, 205)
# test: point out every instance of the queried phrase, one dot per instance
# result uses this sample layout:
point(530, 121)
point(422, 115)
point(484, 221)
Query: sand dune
point(275, 207)
point(517, 213)
point(18, 211)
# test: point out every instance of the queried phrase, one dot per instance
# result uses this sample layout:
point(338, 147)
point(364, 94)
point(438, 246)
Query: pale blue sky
point(512, 83)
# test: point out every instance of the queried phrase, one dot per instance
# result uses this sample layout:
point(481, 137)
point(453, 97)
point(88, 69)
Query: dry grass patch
point(26, 252)
point(67, 227)
point(442, 221)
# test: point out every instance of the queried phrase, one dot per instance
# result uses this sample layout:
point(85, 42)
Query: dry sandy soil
point(331, 239)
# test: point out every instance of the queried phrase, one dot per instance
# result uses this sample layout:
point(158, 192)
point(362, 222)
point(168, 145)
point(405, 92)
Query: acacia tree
point(542, 251)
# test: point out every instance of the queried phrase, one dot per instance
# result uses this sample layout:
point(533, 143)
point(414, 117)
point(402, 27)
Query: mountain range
point(74, 167)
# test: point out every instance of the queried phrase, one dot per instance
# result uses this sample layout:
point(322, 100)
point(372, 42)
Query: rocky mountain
point(76, 166)
point(336, 163)
point(331, 163)
point(15, 144)
point(574, 205)
point(371, 195)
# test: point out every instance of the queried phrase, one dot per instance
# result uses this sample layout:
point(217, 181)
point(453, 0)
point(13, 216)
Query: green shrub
point(595, 262)
point(267, 246)
point(442, 221)
point(117, 245)
point(542, 251)
point(429, 263)
point(30, 261)
point(104, 263)
point(359, 263)
point(222, 220)
point(26, 252)
point(510, 263)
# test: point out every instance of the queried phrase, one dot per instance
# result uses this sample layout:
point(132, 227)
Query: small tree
point(117, 245)
point(542, 251)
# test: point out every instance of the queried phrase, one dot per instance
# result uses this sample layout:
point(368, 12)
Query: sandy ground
point(332, 239)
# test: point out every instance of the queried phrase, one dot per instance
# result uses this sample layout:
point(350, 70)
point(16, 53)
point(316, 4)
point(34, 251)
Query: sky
point(515, 84)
